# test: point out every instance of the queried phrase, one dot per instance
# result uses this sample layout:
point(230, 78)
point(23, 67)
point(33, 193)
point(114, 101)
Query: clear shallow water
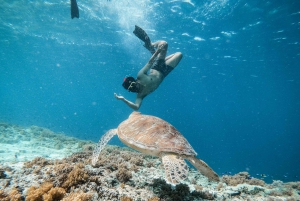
point(234, 96)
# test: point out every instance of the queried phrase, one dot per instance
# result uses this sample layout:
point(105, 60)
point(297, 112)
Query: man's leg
point(174, 59)
point(142, 35)
point(171, 60)
point(164, 49)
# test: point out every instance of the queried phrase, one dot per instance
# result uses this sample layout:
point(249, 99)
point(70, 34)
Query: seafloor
point(37, 165)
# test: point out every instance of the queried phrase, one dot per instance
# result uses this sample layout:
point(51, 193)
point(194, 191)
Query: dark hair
point(130, 84)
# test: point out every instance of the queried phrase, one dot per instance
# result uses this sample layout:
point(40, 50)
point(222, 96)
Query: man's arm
point(146, 68)
point(134, 106)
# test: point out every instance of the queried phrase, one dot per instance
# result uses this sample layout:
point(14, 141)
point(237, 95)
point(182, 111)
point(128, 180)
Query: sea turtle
point(154, 136)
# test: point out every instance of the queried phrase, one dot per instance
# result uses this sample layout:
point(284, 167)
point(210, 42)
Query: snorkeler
point(159, 65)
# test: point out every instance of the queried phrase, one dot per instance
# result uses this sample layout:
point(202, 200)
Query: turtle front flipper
point(101, 144)
point(203, 168)
point(175, 167)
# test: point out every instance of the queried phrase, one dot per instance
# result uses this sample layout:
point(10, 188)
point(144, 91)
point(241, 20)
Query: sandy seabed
point(37, 164)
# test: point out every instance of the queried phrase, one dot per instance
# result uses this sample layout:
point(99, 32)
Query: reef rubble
point(62, 170)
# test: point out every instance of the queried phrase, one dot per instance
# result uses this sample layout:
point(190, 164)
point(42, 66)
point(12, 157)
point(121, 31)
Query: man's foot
point(142, 35)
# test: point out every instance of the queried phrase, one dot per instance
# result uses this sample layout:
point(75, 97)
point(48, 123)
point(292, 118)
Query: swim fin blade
point(143, 36)
point(74, 9)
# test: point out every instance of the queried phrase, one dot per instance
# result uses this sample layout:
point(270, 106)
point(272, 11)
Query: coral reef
point(78, 197)
point(2, 174)
point(76, 177)
point(241, 178)
point(14, 195)
point(120, 174)
point(125, 198)
point(180, 193)
point(123, 175)
point(18, 144)
point(37, 193)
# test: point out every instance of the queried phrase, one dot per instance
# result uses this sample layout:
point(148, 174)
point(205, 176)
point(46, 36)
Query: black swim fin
point(142, 35)
point(74, 9)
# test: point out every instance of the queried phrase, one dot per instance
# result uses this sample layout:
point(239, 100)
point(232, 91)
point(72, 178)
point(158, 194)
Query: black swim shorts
point(160, 65)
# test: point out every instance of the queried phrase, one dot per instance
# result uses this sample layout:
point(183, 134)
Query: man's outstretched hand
point(119, 97)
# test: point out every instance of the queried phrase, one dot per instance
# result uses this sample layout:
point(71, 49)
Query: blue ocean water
point(235, 95)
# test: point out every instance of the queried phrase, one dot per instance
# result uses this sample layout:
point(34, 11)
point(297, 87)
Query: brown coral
point(38, 161)
point(150, 164)
point(241, 178)
point(36, 194)
point(126, 156)
point(77, 176)
point(61, 172)
point(123, 175)
point(54, 194)
point(4, 196)
point(45, 192)
point(256, 182)
point(88, 147)
point(219, 186)
point(15, 195)
point(154, 199)
point(79, 157)
point(294, 185)
point(78, 197)
point(137, 161)
point(125, 198)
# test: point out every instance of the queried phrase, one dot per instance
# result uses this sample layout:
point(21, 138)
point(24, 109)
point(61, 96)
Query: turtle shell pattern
point(152, 133)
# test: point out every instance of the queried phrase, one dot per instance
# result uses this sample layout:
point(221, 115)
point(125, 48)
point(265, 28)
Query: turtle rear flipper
point(142, 35)
point(203, 168)
point(101, 144)
point(175, 167)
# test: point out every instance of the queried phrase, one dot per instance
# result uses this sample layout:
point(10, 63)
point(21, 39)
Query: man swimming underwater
point(159, 65)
